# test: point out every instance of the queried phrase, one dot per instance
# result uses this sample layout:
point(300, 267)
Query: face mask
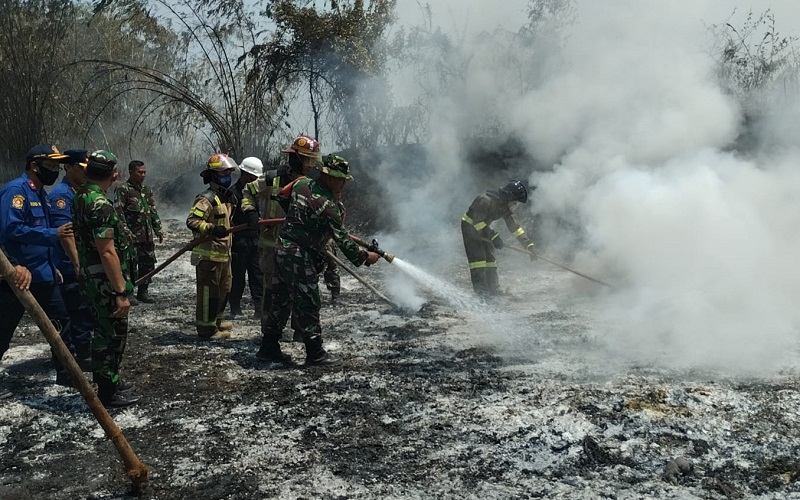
point(47, 176)
point(224, 180)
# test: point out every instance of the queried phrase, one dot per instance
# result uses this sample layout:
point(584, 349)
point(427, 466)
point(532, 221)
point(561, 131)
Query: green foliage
point(30, 55)
point(754, 59)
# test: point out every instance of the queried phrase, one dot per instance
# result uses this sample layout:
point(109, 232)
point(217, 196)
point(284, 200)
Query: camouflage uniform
point(136, 203)
point(211, 258)
point(478, 236)
point(95, 217)
point(312, 220)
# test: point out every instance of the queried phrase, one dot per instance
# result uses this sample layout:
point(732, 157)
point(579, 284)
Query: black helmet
point(514, 191)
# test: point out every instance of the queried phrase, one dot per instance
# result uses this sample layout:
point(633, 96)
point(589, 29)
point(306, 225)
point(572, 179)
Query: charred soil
point(437, 403)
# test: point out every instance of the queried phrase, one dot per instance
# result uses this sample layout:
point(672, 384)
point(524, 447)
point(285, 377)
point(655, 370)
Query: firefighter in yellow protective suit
point(480, 240)
point(210, 215)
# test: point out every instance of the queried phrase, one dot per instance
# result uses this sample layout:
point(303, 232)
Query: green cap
point(336, 166)
point(103, 159)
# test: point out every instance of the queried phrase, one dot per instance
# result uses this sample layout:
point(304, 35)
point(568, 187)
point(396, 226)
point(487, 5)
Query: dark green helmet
point(336, 166)
point(103, 160)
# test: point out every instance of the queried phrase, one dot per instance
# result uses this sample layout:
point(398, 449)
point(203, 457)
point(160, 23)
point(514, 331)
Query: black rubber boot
point(143, 295)
point(270, 352)
point(111, 397)
point(316, 355)
point(63, 378)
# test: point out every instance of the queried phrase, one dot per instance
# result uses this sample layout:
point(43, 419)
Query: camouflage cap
point(336, 166)
point(102, 160)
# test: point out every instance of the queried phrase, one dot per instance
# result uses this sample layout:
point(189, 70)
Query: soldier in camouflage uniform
point(135, 200)
point(312, 220)
point(105, 255)
point(210, 215)
point(259, 197)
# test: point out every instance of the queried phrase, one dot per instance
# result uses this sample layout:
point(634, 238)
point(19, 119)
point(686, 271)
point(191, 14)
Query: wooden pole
point(347, 268)
point(562, 266)
point(138, 472)
point(200, 239)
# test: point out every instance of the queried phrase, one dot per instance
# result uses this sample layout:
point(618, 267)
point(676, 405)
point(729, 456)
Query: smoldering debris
point(434, 404)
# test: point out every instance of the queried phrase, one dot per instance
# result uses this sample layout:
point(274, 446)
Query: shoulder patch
point(18, 201)
point(61, 204)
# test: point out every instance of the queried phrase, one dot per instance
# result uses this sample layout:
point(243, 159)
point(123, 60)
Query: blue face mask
point(224, 180)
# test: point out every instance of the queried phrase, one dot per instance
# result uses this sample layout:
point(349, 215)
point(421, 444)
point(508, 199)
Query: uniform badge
point(18, 201)
point(61, 204)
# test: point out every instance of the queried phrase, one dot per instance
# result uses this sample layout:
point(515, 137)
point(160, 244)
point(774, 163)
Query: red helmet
point(305, 145)
point(220, 162)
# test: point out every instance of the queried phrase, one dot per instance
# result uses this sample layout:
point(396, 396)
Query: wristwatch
point(121, 294)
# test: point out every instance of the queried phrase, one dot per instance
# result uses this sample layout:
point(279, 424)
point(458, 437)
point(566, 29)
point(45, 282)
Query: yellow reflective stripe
point(253, 188)
point(205, 309)
point(219, 202)
point(202, 252)
point(276, 183)
point(495, 236)
point(491, 264)
point(479, 264)
point(529, 245)
point(198, 212)
point(518, 232)
point(480, 225)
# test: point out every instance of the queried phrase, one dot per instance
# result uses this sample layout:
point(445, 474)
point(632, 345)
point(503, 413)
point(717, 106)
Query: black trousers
point(245, 265)
point(48, 295)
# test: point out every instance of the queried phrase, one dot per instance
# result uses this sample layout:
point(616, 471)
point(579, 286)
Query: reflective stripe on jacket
point(209, 211)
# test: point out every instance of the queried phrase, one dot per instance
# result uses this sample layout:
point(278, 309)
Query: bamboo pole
point(193, 243)
point(347, 268)
point(138, 472)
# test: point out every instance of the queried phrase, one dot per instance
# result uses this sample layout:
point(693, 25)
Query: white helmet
point(252, 165)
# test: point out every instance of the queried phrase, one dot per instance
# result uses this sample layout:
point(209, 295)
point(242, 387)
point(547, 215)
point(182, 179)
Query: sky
point(632, 138)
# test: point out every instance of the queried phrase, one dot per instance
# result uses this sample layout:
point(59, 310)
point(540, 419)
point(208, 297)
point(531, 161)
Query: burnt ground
point(517, 399)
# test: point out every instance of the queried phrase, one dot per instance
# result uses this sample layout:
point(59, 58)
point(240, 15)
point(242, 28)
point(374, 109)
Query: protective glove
point(252, 219)
point(497, 242)
point(219, 232)
point(531, 251)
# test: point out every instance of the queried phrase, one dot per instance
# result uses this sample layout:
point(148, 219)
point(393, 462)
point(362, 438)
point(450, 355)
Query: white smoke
point(700, 240)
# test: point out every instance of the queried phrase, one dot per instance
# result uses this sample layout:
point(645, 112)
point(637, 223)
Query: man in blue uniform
point(80, 312)
point(27, 236)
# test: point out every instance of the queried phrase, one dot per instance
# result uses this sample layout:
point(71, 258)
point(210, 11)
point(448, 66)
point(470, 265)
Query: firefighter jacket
point(211, 208)
point(260, 195)
point(312, 220)
point(136, 203)
point(487, 208)
point(25, 229)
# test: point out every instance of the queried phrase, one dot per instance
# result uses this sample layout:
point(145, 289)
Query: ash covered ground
point(519, 399)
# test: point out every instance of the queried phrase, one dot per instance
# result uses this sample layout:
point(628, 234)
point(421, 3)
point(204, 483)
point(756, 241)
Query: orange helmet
point(305, 145)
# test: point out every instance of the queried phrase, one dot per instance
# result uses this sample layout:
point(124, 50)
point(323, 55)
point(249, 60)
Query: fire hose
point(355, 275)
point(201, 239)
point(562, 266)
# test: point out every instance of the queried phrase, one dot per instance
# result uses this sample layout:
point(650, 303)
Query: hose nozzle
point(388, 256)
